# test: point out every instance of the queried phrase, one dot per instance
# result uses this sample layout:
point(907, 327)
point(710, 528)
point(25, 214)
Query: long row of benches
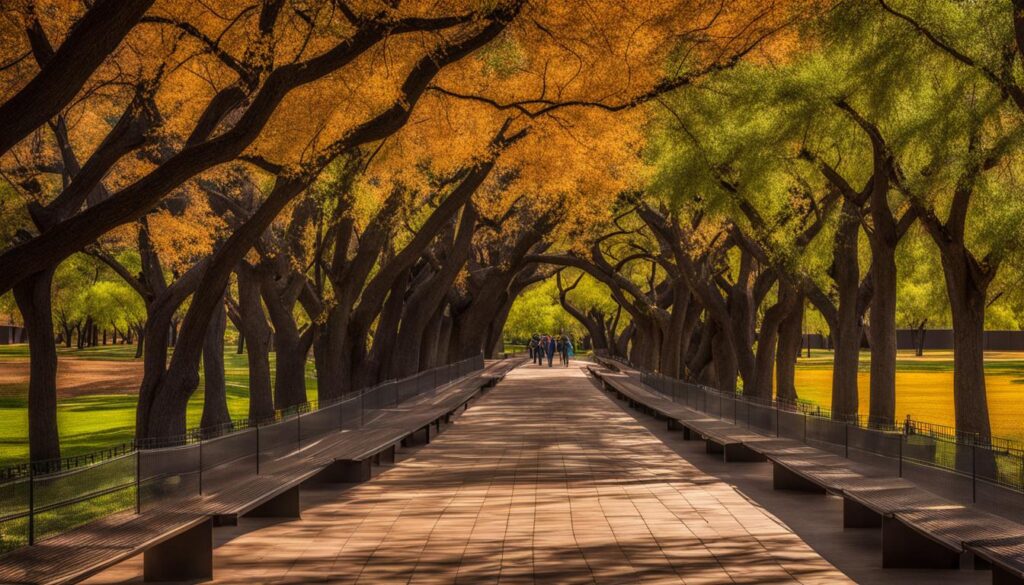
point(176, 539)
point(919, 529)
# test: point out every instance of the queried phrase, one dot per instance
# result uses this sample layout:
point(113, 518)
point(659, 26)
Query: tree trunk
point(388, 344)
point(673, 336)
point(967, 298)
point(849, 329)
point(141, 337)
point(623, 339)
point(256, 334)
point(34, 301)
point(444, 338)
point(882, 317)
point(723, 357)
point(431, 335)
point(690, 322)
point(767, 344)
point(790, 339)
point(701, 353)
point(290, 371)
point(919, 333)
point(215, 402)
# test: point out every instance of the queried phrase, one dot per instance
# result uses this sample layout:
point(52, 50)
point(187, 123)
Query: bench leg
point(905, 548)
point(188, 556)
point(689, 435)
point(856, 515)
point(1001, 576)
point(387, 455)
point(415, 438)
point(673, 425)
point(345, 471)
point(740, 453)
point(713, 448)
point(785, 479)
point(285, 505)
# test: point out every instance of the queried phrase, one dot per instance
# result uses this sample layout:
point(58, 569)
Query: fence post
point(31, 504)
point(846, 438)
point(805, 428)
point(777, 434)
point(901, 455)
point(200, 465)
point(138, 481)
point(974, 473)
point(298, 425)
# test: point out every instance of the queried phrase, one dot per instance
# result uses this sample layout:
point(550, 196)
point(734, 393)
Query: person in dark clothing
point(566, 350)
point(538, 349)
point(550, 350)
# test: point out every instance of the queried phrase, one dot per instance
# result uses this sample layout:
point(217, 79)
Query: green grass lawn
point(99, 421)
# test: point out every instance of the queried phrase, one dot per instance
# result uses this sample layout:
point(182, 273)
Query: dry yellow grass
point(924, 388)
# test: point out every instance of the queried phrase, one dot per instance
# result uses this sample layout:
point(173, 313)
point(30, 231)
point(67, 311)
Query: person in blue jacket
point(550, 348)
point(567, 350)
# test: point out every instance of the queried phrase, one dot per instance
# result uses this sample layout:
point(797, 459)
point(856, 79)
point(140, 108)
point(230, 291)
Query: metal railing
point(154, 473)
point(969, 463)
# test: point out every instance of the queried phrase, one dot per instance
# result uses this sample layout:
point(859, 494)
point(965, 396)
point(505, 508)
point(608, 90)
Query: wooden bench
point(720, 438)
point(1005, 555)
point(177, 542)
point(919, 529)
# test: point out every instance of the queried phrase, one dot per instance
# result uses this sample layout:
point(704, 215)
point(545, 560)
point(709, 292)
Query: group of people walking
point(542, 346)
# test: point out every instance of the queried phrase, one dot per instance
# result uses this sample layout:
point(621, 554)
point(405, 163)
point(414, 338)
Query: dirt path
point(76, 377)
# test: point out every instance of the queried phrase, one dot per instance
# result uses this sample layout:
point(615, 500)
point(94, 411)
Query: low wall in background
point(12, 334)
point(941, 339)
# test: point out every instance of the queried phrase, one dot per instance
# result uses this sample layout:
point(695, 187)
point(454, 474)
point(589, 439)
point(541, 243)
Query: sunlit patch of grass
point(924, 387)
point(101, 421)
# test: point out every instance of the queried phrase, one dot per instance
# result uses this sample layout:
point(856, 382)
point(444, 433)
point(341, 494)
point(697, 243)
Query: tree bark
point(257, 341)
point(215, 401)
point(673, 337)
point(849, 327)
point(967, 287)
point(767, 346)
point(33, 298)
point(290, 352)
point(427, 298)
point(790, 340)
point(724, 360)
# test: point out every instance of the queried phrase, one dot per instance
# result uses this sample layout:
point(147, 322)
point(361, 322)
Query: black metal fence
point(35, 506)
point(963, 465)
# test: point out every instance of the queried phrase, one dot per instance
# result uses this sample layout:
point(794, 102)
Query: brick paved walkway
point(543, 480)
